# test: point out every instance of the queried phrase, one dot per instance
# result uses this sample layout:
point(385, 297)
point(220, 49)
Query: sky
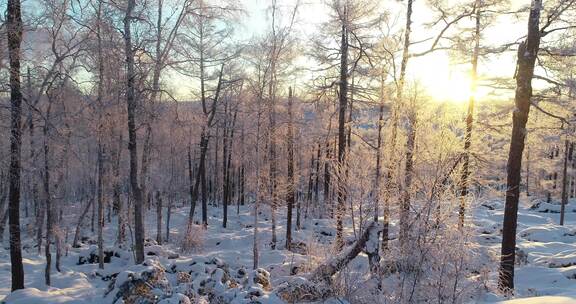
point(443, 78)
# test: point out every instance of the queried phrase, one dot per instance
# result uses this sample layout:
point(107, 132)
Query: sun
point(442, 80)
point(455, 89)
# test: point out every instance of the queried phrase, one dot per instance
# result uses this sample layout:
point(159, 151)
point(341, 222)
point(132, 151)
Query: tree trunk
point(404, 234)
point(290, 195)
point(191, 181)
point(168, 215)
point(79, 224)
point(147, 147)
point(300, 192)
point(255, 253)
point(100, 200)
point(14, 33)
point(273, 173)
point(225, 168)
point(199, 176)
point(470, 116)
point(121, 237)
point(528, 171)
point(527, 53)
point(374, 259)
point(48, 200)
point(228, 157)
point(317, 177)
point(564, 183)
point(216, 169)
point(158, 218)
point(343, 103)
point(38, 211)
point(239, 186)
point(310, 186)
point(132, 145)
point(204, 196)
point(324, 272)
point(327, 197)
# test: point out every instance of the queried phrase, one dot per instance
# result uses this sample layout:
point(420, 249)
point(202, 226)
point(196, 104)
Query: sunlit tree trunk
point(408, 170)
point(343, 104)
point(470, 116)
point(527, 53)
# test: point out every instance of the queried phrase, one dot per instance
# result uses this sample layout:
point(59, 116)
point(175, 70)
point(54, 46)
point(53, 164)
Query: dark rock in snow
point(93, 258)
point(521, 257)
point(299, 247)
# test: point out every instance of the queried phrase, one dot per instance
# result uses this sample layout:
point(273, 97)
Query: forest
point(287, 151)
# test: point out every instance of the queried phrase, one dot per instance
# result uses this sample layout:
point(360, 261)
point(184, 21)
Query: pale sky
point(437, 72)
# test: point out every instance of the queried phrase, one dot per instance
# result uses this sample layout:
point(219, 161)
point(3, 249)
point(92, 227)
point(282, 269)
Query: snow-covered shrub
point(439, 262)
point(192, 239)
point(143, 283)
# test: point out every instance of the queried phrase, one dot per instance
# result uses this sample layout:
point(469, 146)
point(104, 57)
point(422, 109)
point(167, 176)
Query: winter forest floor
point(547, 265)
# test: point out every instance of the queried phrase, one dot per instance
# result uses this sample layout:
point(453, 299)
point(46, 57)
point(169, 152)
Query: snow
point(570, 299)
point(548, 274)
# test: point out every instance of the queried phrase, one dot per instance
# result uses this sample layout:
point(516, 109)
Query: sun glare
point(443, 81)
point(454, 89)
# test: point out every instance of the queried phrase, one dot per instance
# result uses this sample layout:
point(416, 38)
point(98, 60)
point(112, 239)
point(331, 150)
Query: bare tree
point(527, 53)
point(14, 26)
point(132, 144)
point(291, 191)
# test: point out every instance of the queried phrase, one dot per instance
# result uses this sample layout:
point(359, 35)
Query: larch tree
point(131, 104)
point(14, 31)
point(527, 54)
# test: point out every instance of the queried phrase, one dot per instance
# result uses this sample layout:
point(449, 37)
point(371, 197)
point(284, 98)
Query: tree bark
point(527, 53)
point(100, 145)
point(564, 183)
point(119, 206)
point(272, 156)
point(470, 115)
point(132, 144)
point(343, 103)
point(158, 218)
point(191, 182)
point(47, 198)
point(290, 195)
point(79, 224)
point(405, 203)
point(100, 200)
point(317, 177)
point(225, 168)
point(14, 33)
point(404, 234)
point(324, 272)
point(327, 203)
point(374, 259)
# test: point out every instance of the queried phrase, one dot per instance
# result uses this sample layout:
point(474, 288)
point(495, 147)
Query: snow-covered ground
point(546, 273)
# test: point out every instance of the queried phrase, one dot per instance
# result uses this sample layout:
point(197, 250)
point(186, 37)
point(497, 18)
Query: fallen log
point(324, 272)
